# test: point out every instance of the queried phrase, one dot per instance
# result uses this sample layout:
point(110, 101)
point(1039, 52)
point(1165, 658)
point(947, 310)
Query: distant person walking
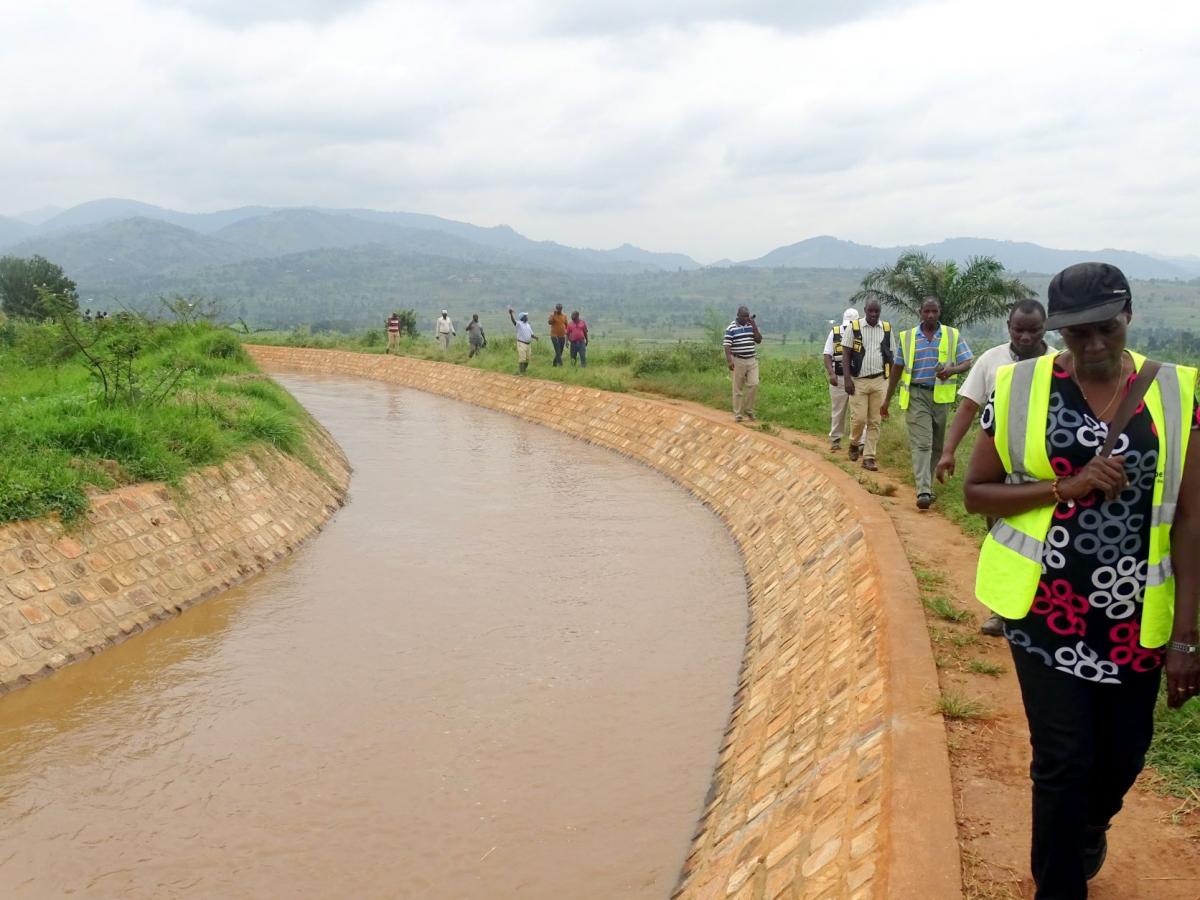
point(1026, 340)
point(558, 332)
point(577, 334)
point(839, 400)
point(525, 335)
point(475, 335)
point(928, 359)
point(742, 338)
point(867, 358)
point(393, 331)
point(443, 329)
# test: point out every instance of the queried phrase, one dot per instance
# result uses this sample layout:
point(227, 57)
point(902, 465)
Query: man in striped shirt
point(741, 353)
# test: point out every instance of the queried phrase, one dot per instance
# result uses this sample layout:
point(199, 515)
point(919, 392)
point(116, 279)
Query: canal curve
point(503, 670)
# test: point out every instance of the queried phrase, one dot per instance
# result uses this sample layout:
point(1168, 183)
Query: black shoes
point(1095, 850)
point(924, 501)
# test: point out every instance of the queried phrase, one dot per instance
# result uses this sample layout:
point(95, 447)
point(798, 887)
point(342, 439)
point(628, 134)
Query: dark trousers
point(559, 343)
point(579, 351)
point(1089, 744)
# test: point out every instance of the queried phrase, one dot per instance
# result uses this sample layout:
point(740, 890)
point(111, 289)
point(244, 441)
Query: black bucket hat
point(1086, 293)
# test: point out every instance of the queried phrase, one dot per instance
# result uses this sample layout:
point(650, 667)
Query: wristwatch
point(1181, 647)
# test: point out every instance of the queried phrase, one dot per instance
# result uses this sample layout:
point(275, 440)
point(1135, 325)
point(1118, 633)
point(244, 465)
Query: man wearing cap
point(524, 336)
point(866, 358)
point(558, 332)
point(839, 401)
point(443, 328)
point(928, 361)
point(1026, 340)
point(1080, 563)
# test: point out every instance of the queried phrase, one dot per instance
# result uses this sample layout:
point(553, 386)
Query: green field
point(178, 396)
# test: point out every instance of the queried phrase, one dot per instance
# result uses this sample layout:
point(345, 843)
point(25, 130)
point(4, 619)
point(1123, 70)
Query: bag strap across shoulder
point(1137, 391)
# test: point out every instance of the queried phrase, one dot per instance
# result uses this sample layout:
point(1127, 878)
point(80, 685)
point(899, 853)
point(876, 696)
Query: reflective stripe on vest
point(944, 391)
point(1010, 562)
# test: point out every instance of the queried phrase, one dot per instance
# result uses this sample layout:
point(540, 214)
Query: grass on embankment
point(794, 394)
point(192, 398)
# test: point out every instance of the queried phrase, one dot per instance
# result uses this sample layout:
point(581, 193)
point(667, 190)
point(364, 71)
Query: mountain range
point(103, 237)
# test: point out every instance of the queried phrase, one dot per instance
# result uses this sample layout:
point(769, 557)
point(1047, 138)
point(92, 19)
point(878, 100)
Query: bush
point(222, 345)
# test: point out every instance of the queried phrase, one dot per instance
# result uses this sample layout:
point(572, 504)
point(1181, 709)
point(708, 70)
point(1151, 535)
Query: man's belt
point(739, 356)
point(876, 375)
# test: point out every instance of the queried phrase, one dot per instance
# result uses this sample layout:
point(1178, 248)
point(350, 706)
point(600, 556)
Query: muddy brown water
point(502, 671)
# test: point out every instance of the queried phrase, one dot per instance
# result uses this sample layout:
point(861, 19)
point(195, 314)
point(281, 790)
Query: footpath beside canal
point(144, 553)
point(833, 778)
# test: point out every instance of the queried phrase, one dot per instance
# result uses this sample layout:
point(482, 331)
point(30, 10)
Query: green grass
point(941, 607)
point(984, 667)
point(1175, 752)
point(59, 438)
point(954, 705)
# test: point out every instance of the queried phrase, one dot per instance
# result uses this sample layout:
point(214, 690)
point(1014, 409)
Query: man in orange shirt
point(558, 332)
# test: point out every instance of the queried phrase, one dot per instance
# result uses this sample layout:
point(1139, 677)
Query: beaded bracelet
point(1059, 498)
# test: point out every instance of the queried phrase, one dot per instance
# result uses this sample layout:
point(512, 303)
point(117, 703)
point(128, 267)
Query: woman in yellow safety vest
point(1079, 563)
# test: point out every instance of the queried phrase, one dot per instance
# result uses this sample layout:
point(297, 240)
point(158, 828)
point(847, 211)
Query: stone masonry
point(144, 553)
point(806, 800)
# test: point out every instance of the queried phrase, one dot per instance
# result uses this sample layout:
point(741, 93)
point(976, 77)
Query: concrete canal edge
point(145, 553)
point(833, 778)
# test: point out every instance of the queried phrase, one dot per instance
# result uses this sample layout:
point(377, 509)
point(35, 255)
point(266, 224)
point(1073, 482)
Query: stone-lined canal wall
point(144, 553)
point(833, 779)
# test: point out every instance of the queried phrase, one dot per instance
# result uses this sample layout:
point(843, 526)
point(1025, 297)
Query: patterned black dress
point(1085, 619)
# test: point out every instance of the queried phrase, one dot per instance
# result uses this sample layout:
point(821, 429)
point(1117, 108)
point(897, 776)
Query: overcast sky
point(712, 128)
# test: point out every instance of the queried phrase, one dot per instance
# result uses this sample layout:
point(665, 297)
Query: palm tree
point(978, 292)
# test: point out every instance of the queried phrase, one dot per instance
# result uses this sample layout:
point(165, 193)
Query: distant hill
point(272, 231)
point(99, 212)
point(1016, 256)
point(131, 249)
point(12, 231)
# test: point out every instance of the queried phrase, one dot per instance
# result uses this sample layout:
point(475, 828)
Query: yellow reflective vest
point(944, 391)
point(1010, 562)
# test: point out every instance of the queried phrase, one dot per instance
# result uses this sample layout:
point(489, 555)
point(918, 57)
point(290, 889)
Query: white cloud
point(715, 128)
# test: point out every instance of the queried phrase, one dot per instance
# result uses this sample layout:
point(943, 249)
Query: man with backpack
point(867, 356)
point(839, 401)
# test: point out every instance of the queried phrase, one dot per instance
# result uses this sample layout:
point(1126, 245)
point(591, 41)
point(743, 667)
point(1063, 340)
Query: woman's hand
point(1183, 677)
point(1103, 474)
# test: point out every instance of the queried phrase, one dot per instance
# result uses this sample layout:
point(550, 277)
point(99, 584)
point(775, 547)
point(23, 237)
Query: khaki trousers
point(839, 408)
point(522, 352)
point(444, 340)
point(745, 385)
point(393, 340)
point(866, 404)
point(926, 434)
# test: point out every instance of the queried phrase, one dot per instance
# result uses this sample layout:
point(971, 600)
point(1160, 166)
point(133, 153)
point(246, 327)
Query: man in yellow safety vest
point(928, 360)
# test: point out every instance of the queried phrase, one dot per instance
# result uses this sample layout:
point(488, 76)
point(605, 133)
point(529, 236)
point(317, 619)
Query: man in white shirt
point(839, 401)
point(524, 336)
point(1026, 340)
point(443, 328)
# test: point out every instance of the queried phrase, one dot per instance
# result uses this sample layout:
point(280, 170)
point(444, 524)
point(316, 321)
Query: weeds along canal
point(502, 670)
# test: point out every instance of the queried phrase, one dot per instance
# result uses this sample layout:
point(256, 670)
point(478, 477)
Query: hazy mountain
point(265, 231)
point(38, 216)
point(130, 249)
point(298, 230)
point(1016, 256)
point(98, 212)
point(13, 230)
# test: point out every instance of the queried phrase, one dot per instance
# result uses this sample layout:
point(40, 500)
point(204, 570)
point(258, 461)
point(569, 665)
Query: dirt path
point(1154, 847)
